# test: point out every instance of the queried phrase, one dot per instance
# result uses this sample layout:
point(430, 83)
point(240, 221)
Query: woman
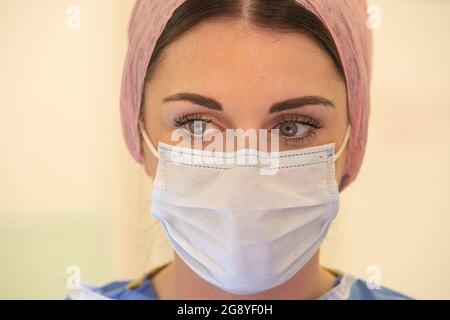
point(299, 70)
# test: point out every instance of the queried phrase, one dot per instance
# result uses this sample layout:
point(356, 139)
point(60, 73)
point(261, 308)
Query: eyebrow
point(195, 99)
point(300, 102)
point(277, 107)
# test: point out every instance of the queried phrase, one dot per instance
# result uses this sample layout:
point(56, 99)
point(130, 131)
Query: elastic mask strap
point(155, 152)
point(344, 144)
point(147, 140)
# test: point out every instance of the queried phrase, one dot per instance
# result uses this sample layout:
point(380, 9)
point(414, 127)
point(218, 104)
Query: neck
point(178, 281)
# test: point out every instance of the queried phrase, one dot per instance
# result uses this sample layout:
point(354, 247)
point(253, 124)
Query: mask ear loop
point(156, 154)
point(147, 140)
point(344, 144)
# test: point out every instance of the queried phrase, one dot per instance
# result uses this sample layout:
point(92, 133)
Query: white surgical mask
point(238, 229)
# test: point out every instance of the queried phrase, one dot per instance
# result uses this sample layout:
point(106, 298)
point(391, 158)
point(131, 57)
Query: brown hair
point(278, 15)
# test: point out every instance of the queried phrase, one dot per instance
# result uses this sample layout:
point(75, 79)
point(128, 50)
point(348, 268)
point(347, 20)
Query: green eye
point(293, 129)
point(197, 127)
point(288, 129)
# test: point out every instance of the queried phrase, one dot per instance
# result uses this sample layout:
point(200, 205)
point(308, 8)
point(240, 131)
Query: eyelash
point(314, 124)
point(185, 119)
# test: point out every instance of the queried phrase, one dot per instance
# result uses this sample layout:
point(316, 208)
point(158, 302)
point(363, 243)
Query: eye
point(197, 126)
point(297, 130)
point(293, 129)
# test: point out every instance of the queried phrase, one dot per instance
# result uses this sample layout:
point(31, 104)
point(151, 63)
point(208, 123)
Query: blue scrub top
point(346, 287)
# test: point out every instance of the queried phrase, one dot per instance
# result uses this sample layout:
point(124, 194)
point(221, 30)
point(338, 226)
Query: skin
point(247, 70)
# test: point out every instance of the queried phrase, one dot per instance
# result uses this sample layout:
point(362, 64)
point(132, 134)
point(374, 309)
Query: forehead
point(220, 56)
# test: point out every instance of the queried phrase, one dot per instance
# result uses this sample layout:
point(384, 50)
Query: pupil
point(289, 129)
point(197, 127)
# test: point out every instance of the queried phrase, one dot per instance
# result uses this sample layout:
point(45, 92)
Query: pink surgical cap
point(347, 22)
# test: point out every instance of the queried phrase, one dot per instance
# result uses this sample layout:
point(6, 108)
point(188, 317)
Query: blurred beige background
point(71, 195)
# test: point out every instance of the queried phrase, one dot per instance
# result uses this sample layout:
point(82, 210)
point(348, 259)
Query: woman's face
point(242, 74)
